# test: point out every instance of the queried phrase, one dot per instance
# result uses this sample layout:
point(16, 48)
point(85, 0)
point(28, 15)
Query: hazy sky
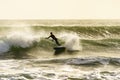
point(59, 9)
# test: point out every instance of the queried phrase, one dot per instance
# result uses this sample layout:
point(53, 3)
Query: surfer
point(54, 38)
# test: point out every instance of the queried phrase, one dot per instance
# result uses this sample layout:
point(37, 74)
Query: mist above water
point(26, 37)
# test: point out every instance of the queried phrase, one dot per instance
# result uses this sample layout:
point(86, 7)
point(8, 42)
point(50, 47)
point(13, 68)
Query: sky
point(59, 9)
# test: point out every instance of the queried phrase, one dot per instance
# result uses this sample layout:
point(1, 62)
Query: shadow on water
point(19, 53)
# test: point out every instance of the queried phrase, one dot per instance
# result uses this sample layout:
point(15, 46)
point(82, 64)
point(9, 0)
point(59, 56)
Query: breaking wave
point(77, 38)
point(92, 51)
point(22, 41)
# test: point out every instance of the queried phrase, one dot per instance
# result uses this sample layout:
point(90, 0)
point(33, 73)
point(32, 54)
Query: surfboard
point(59, 49)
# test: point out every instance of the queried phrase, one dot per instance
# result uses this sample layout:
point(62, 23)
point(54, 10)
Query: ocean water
point(92, 50)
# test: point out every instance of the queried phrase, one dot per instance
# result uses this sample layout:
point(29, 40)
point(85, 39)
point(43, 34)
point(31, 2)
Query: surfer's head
point(51, 33)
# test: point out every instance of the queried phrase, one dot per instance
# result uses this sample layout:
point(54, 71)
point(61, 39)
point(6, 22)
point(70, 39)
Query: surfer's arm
point(48, 37)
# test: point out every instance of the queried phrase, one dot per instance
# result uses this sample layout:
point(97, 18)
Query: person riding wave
point(54, 38)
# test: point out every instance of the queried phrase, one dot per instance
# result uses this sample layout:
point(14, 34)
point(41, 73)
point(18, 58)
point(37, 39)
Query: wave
point(18, 43)
point(21, 40)
point(95, 22)
point(84, 31)
point(34, 69)
point(87, 32)
point(87, 61)
point(113, 43)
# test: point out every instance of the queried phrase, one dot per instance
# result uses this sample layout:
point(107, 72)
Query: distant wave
point(23, 23)
point(89, 32)
point(94, 32)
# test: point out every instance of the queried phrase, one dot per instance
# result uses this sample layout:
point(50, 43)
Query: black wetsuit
point(54, 38)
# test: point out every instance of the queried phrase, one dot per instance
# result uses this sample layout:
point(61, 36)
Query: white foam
point(25, 38)
point(20, 39)
point(17, 39)
point(72, 41)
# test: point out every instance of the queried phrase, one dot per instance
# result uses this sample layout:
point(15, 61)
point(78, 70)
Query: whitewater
point(92, 50)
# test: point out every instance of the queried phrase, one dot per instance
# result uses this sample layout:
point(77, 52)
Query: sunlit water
point(92, 53)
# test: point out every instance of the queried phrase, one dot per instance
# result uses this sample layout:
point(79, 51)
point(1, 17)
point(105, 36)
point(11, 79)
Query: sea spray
point(72, 41)
point(17, 39)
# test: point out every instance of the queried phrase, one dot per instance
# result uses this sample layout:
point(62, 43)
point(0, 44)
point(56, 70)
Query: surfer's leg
point(57, 42)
